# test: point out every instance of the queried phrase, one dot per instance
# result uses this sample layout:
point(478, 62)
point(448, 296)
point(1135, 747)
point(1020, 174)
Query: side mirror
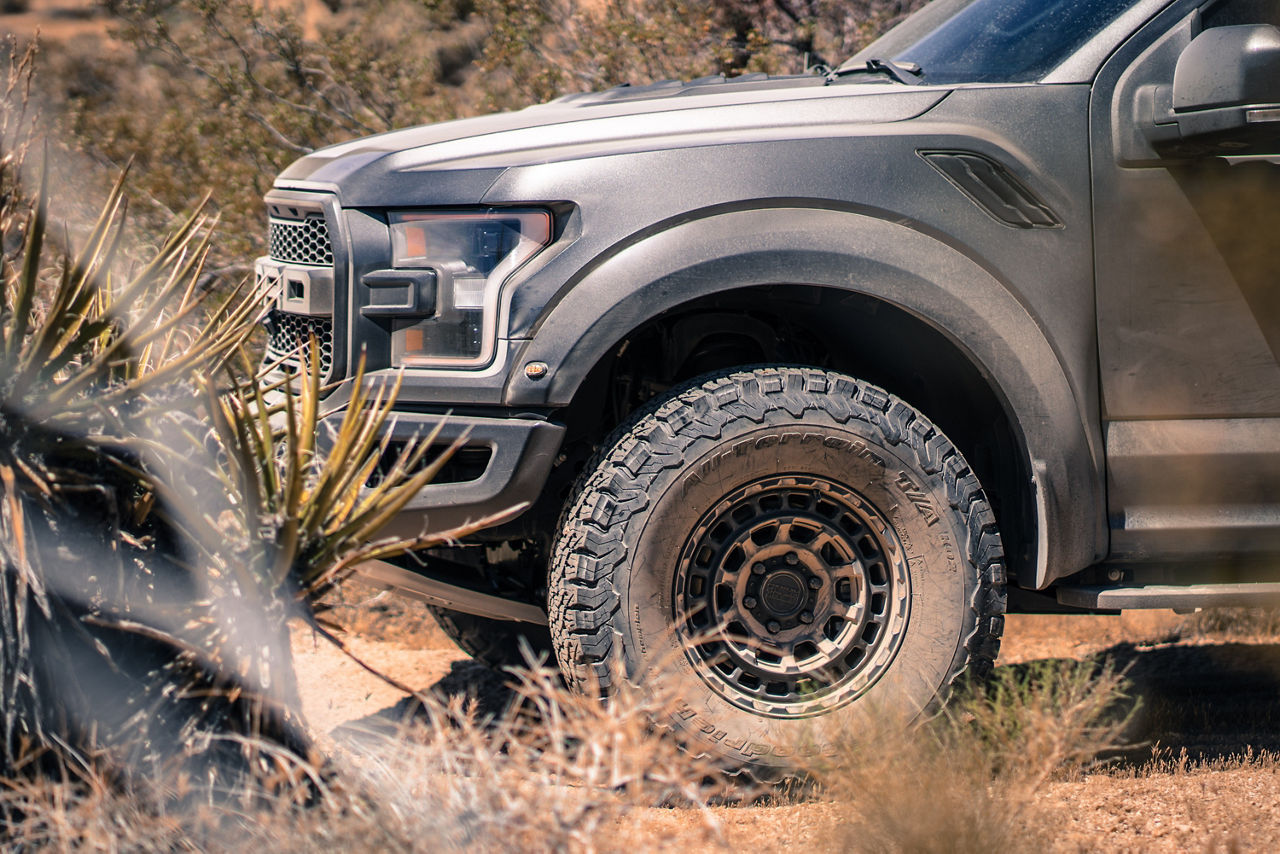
point(1226, 92)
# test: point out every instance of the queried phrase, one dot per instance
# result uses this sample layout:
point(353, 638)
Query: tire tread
point(585, 618)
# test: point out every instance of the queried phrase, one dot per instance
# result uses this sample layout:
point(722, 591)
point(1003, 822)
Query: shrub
point(225, 93)
point(545, 48)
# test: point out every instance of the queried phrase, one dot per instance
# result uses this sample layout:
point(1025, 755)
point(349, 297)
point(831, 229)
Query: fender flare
point(867, 255)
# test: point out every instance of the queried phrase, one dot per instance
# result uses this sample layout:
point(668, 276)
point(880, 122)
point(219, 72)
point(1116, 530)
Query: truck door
point(1187, 243)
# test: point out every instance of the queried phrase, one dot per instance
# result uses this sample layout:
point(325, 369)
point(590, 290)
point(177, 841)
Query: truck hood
point(464, 157)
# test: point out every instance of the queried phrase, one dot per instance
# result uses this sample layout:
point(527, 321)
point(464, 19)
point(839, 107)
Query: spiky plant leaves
point(157, 532)
point(162, 518)
point(312, 496)
point(108, 627)
point(148, 564)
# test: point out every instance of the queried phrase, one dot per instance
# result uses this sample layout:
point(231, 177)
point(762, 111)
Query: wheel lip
point(881, 652)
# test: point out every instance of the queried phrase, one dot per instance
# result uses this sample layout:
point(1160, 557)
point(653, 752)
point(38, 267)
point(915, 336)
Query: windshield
point(992, 41)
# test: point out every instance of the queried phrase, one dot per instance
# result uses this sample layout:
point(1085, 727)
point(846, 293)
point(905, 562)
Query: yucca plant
point(320, 486)
point(303, 498)
point(103, 604)
point(161, 515)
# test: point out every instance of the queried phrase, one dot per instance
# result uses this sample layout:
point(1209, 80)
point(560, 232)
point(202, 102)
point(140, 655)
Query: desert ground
point(1199, 774)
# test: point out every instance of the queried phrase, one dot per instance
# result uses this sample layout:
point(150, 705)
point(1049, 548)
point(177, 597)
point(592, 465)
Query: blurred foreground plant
point(157, 531)
point(95, 591)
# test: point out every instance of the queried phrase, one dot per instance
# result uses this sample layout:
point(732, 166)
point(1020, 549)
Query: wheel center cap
point(783, 593)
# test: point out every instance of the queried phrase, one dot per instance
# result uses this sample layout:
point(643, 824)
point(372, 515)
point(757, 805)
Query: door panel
point(1188, 294)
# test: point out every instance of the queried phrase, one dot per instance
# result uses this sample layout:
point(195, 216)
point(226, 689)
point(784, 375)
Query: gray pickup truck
point(802, 381)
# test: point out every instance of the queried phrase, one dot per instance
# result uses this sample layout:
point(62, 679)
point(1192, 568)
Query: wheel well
point(820, 327)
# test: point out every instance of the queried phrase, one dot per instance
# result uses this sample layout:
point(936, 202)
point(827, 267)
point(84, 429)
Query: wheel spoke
point(784, 532)
point(718, 655)
point(851, 572)
point(825, 540)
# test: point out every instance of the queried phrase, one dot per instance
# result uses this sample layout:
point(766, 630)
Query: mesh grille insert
point(290, 334)
point(300, 241)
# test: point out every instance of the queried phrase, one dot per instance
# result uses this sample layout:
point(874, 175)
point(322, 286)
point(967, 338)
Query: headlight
point(471, 254)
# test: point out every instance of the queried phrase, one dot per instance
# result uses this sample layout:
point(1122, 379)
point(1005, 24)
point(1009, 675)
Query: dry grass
point(565, 772)
point(1221, 793)
point(969, 780)
point(560, 771)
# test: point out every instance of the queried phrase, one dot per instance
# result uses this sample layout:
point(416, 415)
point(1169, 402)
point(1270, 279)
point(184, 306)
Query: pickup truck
point(801, 382)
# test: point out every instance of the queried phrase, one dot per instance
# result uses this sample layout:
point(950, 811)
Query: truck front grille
point(290, 336)
point(304, 241)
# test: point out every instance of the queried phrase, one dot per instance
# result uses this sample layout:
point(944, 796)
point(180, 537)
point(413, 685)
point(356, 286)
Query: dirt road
point(1208, 706)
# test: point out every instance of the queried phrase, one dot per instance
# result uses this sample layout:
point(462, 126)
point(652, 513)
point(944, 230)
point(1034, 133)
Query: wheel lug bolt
point(793, 558)
point(774, 626)
point(806, 617)
point(749, 602)
point(758, 569)
point(814, 582)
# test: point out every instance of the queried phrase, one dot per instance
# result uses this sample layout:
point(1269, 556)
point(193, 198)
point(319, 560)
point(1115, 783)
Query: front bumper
point(520, 455)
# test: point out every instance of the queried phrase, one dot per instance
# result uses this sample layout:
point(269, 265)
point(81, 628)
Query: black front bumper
point(521, 453)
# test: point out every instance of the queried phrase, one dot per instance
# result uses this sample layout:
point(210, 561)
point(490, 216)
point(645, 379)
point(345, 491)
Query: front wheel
point(773, 546)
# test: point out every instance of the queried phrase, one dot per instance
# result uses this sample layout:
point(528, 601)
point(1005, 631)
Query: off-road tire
point(495, 643)
point(625, 568)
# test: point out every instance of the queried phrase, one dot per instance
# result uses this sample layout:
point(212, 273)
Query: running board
point(445, 595)
point(1178, 597)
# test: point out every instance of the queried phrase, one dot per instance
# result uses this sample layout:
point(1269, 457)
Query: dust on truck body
point(803, 381)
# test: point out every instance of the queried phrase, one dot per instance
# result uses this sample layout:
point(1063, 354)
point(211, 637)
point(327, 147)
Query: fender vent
point(990, 186)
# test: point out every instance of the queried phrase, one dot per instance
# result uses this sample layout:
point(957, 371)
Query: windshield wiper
point(902, 72)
